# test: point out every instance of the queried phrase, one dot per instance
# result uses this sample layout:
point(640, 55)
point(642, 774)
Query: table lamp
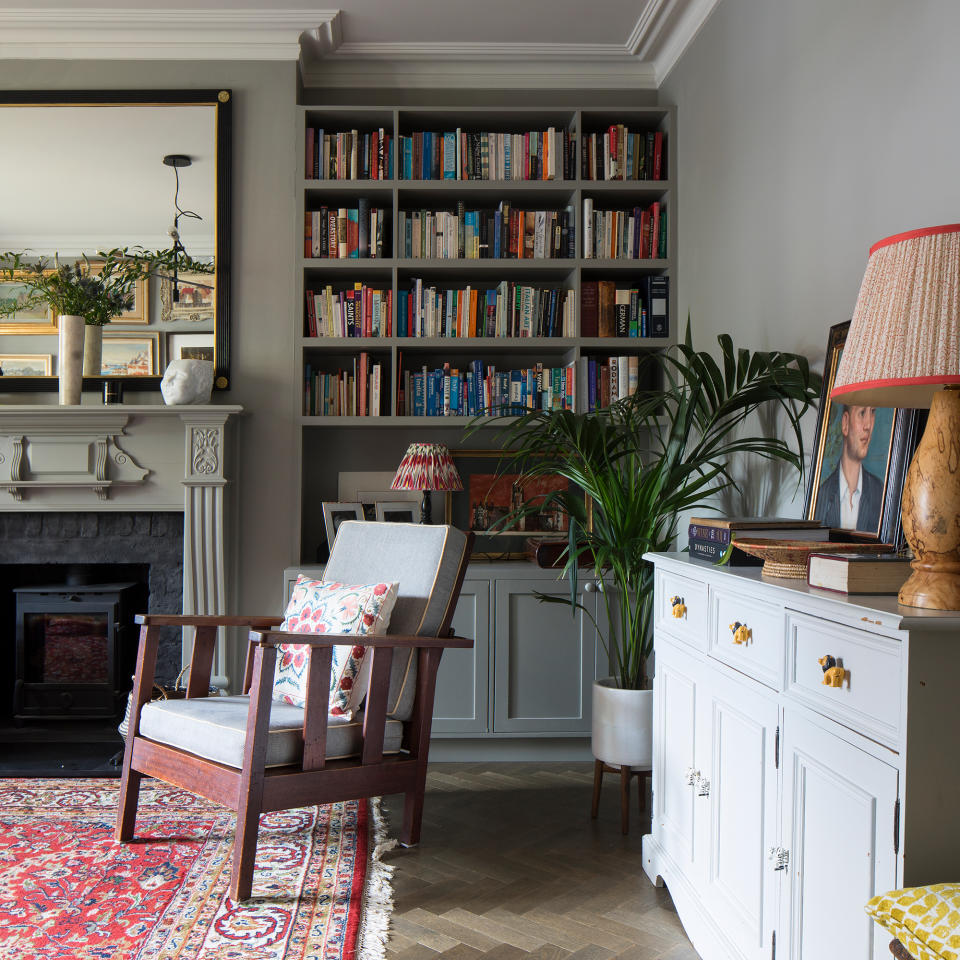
point(903, 350)
point(426, 467)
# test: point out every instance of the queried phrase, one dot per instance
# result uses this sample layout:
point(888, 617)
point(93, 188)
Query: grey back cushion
point(424, 560)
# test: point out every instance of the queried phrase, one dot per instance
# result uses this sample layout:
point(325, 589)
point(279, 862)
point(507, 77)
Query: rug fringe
point(378, 892)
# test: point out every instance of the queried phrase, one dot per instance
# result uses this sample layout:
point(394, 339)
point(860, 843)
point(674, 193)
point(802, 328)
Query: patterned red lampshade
point(904, 340)
point(427, 466)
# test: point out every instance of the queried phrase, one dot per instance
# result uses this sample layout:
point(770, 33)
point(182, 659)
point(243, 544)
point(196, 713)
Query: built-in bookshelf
point(470, 259)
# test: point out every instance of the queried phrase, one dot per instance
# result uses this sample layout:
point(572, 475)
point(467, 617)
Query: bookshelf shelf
point(328, 444)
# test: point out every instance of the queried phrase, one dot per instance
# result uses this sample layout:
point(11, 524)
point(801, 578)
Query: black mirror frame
point(222, 100)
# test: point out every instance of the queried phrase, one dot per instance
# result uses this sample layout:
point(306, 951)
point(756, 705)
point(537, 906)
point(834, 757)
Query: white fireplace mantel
point(128, 457)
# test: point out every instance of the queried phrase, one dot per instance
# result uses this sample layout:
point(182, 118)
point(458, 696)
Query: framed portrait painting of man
point(860, 458)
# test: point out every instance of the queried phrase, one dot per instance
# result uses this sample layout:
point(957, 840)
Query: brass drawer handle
point(742, 634)
point(678, 607)
point(833, 671)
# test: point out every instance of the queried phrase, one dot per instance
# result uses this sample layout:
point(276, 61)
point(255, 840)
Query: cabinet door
point(838, 823)
point(544, 660)
point(675, 686)
point(736, 818)
point(460, 702)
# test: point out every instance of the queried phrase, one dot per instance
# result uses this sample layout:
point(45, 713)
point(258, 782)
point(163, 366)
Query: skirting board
point(707, 938)
point(492, 750)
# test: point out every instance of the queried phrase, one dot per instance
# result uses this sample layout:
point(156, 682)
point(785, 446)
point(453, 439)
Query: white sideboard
point(782, 804)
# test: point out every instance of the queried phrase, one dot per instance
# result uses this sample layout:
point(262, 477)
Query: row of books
point(339, 233)
point(607, 380)
point(482, 155)
point(502, 234)
point(637, 234)
point(619, 154)
point(361, 312)
point(354, 392)
point(607, 310)
point(348, 155)
point(480, 388)
point(507, 310)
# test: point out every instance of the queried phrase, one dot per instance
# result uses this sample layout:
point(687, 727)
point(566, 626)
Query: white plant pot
point(622, 725)
point(70, 359)
point(92, 349)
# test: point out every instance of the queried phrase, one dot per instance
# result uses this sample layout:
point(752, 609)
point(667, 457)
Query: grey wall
point(808, 130)
point(264, 236)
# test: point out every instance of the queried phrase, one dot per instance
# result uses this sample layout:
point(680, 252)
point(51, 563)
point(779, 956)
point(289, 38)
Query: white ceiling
point(604, 42)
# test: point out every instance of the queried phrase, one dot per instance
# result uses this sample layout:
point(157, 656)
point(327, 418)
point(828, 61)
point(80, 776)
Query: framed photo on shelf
point(139, 313)
point(190, 346)
point(26, 364)
point(335, 513)
point(397, 511)
point(37, 320)
point(860, 459)
point(126, 355)
point(197, 303)
point(370, 487)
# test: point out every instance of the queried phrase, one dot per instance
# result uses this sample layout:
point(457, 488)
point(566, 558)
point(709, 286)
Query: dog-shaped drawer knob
point(833, 672)
point(742, 634)
point(678, 607)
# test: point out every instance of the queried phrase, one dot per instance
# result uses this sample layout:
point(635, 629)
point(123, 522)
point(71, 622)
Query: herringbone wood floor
point(511, 866)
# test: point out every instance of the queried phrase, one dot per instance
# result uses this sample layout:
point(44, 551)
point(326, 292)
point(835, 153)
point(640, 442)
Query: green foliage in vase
point(636, 466)
point(97, 289)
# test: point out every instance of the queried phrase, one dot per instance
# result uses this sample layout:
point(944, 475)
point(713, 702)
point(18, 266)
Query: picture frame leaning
point(335, 513)
point(876, 441)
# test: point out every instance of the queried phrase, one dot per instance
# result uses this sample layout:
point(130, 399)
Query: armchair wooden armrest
point(273, 637)
point(205, 620)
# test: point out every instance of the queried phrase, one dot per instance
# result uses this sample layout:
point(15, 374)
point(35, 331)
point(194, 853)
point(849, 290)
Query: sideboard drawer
point(865, 695)
point(682, 607)
point(748, 635)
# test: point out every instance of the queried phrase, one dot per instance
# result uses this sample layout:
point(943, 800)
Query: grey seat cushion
point(424, 559)
point(215, 728)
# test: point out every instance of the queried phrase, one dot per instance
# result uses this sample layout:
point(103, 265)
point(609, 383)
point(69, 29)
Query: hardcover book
point(866, 573)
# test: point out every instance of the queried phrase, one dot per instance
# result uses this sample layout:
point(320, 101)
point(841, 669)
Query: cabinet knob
point(833, 671)
point(703, 787)
point(742, 634)
point(691, 776)
point(678, 608)
point(590, 587)
point(779, 857)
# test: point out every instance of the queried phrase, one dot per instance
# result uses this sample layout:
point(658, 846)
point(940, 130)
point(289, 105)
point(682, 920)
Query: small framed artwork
point(335, 513)
point(129, 356)
point(397, 511)
point(190, 346)
point(139, 313)
point(13, 319)
point(860, 459)
point(26, 364)
point(197, 298)
point(369, 487)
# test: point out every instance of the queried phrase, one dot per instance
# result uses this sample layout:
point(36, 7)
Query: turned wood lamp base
point(931, 509)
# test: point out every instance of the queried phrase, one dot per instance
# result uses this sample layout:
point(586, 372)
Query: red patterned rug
point(68, 891)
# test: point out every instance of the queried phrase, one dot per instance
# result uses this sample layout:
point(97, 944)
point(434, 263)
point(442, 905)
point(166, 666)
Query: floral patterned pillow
point(320, 606)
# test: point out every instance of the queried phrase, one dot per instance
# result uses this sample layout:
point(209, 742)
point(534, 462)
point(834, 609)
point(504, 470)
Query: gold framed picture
point(129, 356)
point(38, 320)
point(26, 364)
point(197, 303)
point(139, 313)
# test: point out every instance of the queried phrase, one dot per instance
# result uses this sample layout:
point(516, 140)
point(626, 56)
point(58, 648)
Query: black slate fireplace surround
point(44, 549)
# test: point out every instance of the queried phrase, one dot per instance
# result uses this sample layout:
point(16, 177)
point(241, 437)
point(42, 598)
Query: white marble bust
point(186, 382)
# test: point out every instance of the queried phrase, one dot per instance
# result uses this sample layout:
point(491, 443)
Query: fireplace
point(74, 646)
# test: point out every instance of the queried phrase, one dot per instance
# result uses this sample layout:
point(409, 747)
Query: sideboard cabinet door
point(460, 702)
point(838, 824)
point(544, 659)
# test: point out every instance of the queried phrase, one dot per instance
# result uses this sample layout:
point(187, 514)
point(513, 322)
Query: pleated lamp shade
point(904, 340)
point(427, 466)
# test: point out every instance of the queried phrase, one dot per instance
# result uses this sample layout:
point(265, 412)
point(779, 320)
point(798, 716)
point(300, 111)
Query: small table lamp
point(903, 350)
point(426, 467)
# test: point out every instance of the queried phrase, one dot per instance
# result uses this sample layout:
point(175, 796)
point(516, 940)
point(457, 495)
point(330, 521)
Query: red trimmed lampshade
point(904, 339)
point(427, 466)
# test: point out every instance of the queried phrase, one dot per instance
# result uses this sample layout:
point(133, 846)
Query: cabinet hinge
point(776, 750)
point(896, 826)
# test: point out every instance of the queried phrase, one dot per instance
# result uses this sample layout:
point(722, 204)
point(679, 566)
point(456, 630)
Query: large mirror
point(82, 172)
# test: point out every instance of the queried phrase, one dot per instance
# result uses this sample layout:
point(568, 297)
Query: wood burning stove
point(74, 650)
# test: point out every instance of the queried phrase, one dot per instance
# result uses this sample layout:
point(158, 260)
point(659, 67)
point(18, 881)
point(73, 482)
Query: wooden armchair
point(253, 754)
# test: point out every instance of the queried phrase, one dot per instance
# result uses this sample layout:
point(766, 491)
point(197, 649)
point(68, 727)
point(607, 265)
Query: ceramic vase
point(70, 359)
point(622, 725)
point(92, 349)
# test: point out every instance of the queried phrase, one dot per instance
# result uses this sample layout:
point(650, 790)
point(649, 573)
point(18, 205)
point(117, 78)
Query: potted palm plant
point(642, 463)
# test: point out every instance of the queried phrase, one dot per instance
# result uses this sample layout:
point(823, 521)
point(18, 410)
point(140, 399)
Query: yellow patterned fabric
point(926, 920)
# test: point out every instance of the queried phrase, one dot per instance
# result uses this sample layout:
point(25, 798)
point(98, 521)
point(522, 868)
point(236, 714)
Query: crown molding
point(665, 29)
point(101, 33)
point(393, 51)
point(76, 245)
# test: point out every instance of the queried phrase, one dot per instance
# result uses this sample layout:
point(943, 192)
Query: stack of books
point(709, 537)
